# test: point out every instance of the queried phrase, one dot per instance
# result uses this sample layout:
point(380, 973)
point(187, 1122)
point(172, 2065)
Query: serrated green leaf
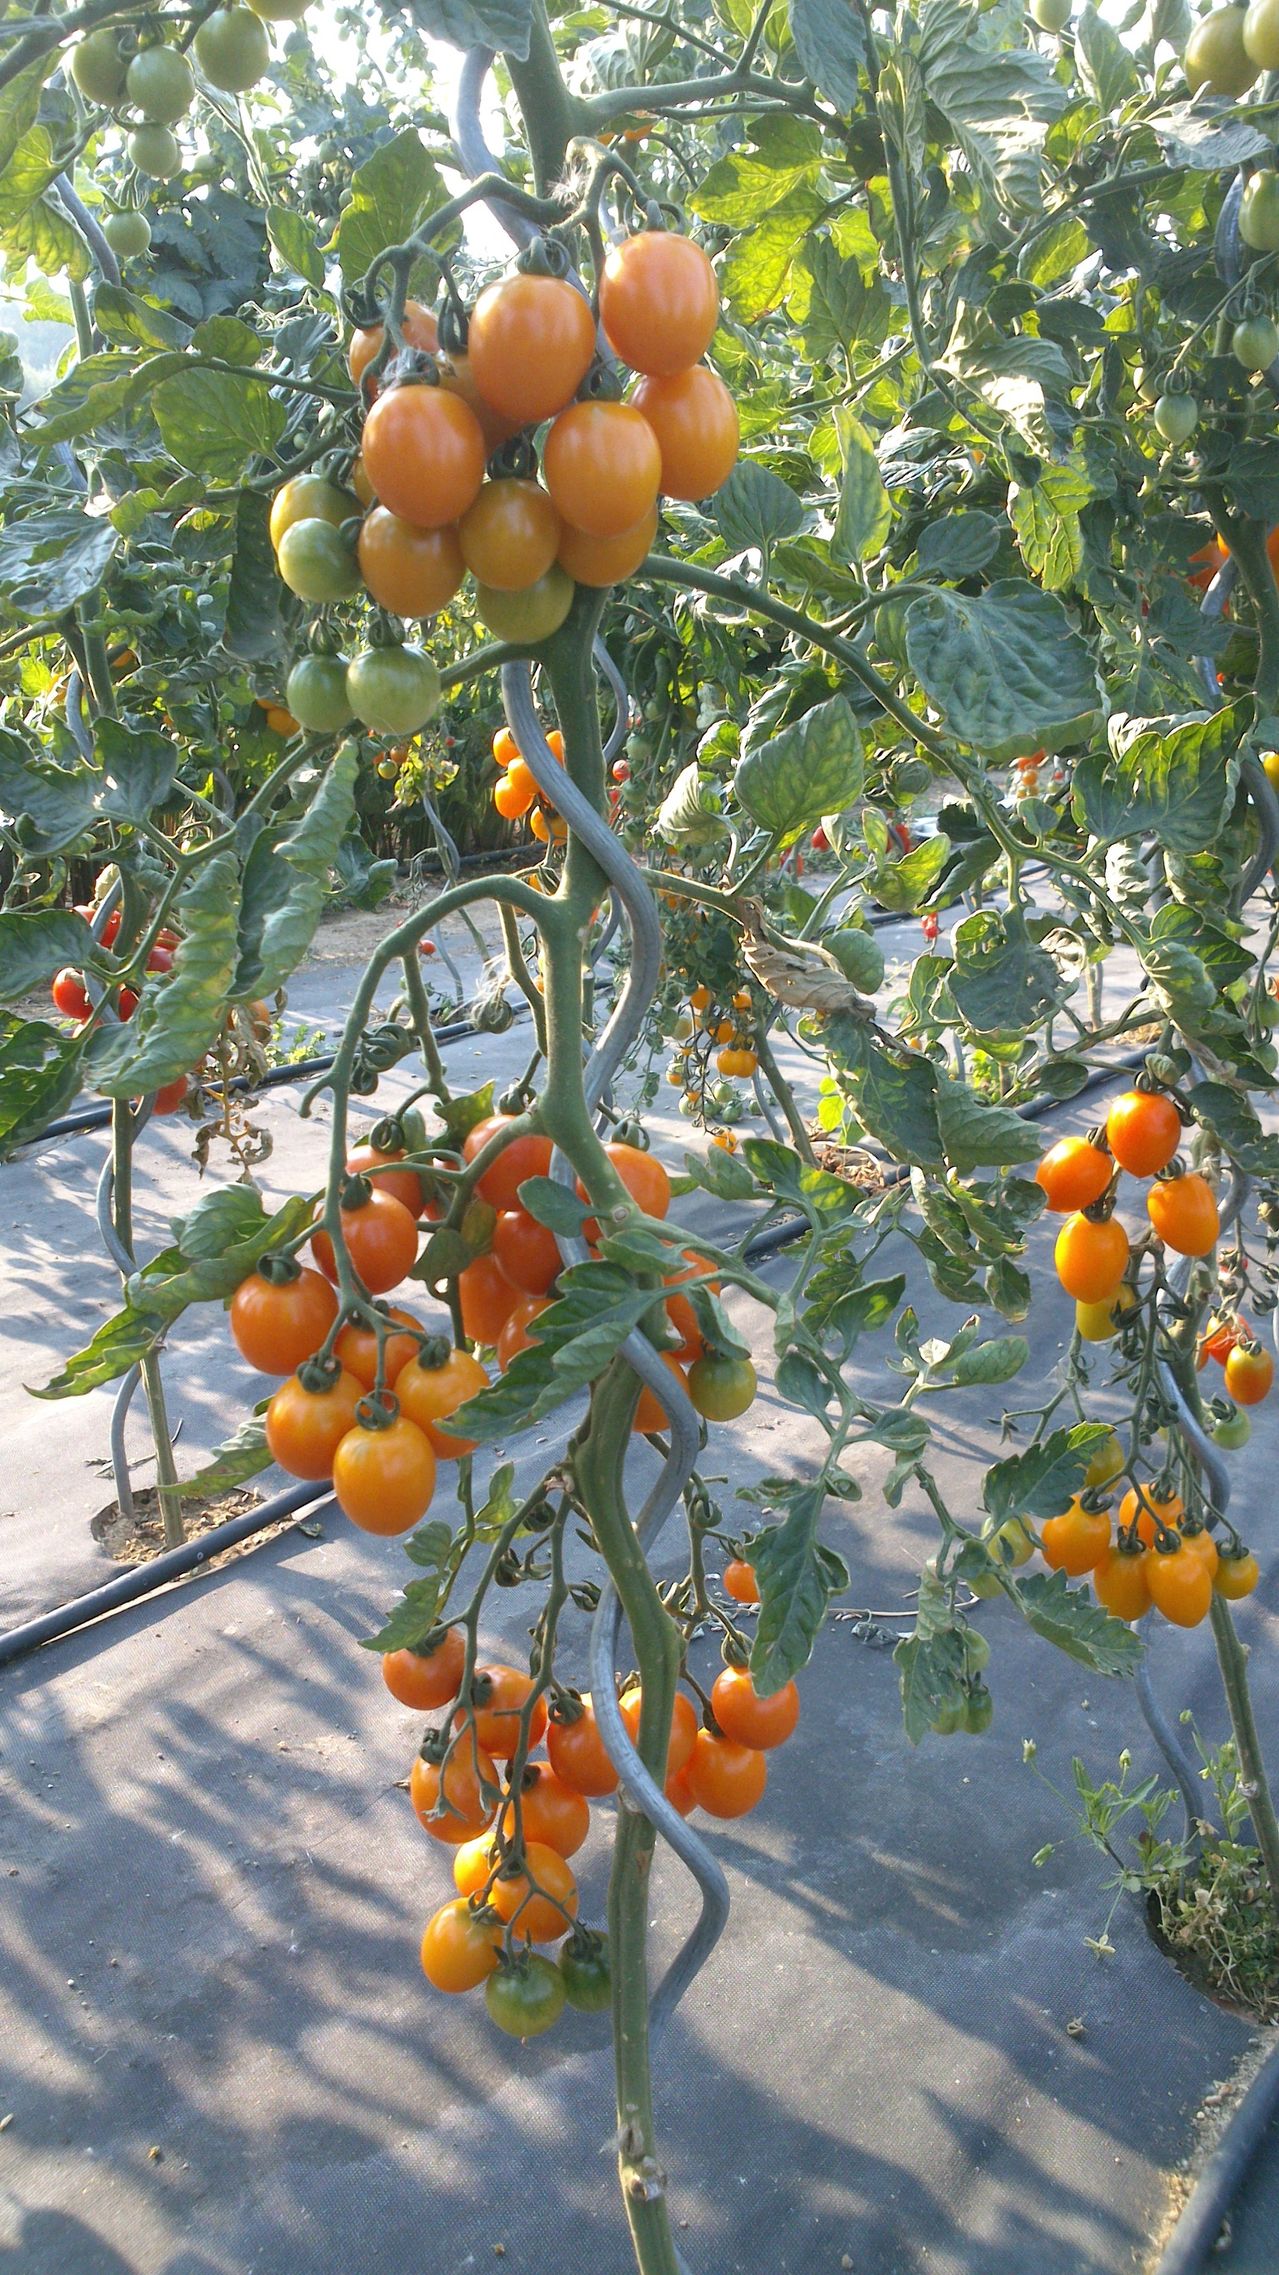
point(755, 508)
point(243, 1456)
point(119, 1344)
point(395, 190)
point(293, 242)
point(35, 943)
point(1039, 1483)
point(181, 1011)
point(253, 625)
point(286, 880)
point(34, 225)
point(1180, 784)
point(831, 46)
point(810, 768)
point(54, 559)
point(1084, 1630)
point(795, 1586)
point(39, 1077)
point(217, 422)
point(1005, 665)
point(864, 514)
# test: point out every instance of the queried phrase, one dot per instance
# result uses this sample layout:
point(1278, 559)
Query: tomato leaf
point(181, 1012)
point(35, 943)
point(1179, 784)
point(54, 558)
point(1039, 1482)
point(797, 1579)
point(930, 1669)
point(1003, 666)
point(216, 422)
point(138, 770)
point(596, 1309)
point(213, 1267)
point(253, 621)
point(1068, 1617)
point(119, 1344)
point(864, 514)
point(831, 47)
point(399, 185)
point(39, 1076)
point(294, 245)
point(755, 508)
point(286, 879)
point(244, 1456)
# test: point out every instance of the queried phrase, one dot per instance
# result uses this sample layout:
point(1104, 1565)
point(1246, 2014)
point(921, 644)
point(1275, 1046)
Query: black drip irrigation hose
point(1194, 2238)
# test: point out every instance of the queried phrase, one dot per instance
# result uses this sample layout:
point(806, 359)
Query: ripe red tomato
point(515, 1336)
point(70, 995)
point(424, 454)
point(510, 536)
point(1073, 1174)
point(725, 1779)
point(425, 1679)
point(384, 1476)
point(1180, 1585)
point(304, 1428)
point(1148, 1511)
point(498, 1698)
point(526, 1250)
point(170, 1096)
point(659, 301)
point(680, 1311)
point(683, 1733)
point(427, 1394)
point(1122, 1583)
point(740, 1582)
point(413, 572)
point(749, 1719)
point(602, 466)
point(381, 1237)
point(695, 420)
point(531, 343)
point(645, 1180)
point(1143, 1131)
point(404, 1185)
point(466, 1793)
point(459, 1947)
point(578, 1755)
point(550, 1812)
point(526, 1156)
point(650, 1414)
point(276, 1324)
point(1184, 1213)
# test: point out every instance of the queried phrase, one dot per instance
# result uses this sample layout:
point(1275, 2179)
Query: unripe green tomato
point(1232, 1430)
point(160, 85)
point(1051, 15)
point(1105, 1462)
point(1259, 211)
point(315, 563)
point(1216, 57)
point(316, 694)
point(232, 49)
point(1261, 34)
point(1176, 417)
point(128, 235)
point(979, 1710)
point(279, 11)
point(393, 691)
point(588, 1982)
point(98, 69)
point(1255, 342)
point(155, 152)
point(529, 616)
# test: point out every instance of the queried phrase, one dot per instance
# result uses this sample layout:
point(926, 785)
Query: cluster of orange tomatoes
point(1147, 1555)
point(516, 793)
point(1078, 1177)
point(730, 1029)
point(512, 1836)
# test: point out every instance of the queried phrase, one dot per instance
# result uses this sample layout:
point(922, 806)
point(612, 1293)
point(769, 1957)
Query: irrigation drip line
point(1194, 2238)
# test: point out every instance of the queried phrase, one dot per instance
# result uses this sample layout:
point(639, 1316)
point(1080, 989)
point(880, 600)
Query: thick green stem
point(599, 1459)
point(785, 1097)
point(166, 1473)
point(1232, 1659)
point(550, 114)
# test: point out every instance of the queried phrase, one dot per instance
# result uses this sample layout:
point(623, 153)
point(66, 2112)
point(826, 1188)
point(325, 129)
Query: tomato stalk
point(166, 1472)
point(1232, 1658)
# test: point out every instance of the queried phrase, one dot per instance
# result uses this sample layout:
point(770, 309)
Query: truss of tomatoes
point(1079, 1177)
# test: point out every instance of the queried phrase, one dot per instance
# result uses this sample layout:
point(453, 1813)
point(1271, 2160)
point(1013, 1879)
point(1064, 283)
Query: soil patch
point(139, 1538)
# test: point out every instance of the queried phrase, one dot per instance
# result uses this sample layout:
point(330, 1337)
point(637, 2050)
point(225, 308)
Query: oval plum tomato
point(1236, 1575)
point(1259, 209)
point(418, 327)
point(695, 420)
point(429, 1394)
point(650, 1414)
point(645, 1179)
point(1076, 1541)
point(276, 1324)
point(384, 1475)
point(126, 1002)
point(413, 572)
point(1231, 1430)
point(356, 1347)
point(539, 1902)
point(509, 537)
point(683, 1733)
point(393, 691)
point(1249, 1373)
point(740, 1582)
point(424, 454)
point(425, 1679)
point(749, 1719)
point(725, 1779)
point(404, 1185)
point(1091, 1257)
point(550, 1812)
point(516, 1336)
point(1215, 55)
point(588, 1978)
point(1122, 1585)
point(530, 615)
point(466, 1795)
point(1073, 1174)
point(304, 1428)
point(1180, 1585)
point(316, 562)
point(511, 798)
point(526, 1996)
point(1219, 1339)
point(487, 1299)
point(459, 1947)
point(456, 375)
point(1261, 34)
point(381, 1238)
point(531, 342)
point(680, 1311)
point(474, 1862)
point(1101, 1322)
point(70, 996)
point(601, 561)
point(1184, 1213)
point(1199, 1541)
point(498, 1696)
point(578, 1755)
point(659, 302)
point(527, 1251)
point(527, 1155)
point(1176, 417)
point(1143, 1131)
point(722, 1386)
point(680, 1794)
point(307, 497)
point(1147, 1511)
point(602, 466)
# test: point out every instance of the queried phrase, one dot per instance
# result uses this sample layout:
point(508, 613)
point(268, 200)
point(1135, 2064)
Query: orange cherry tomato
point(276, 1324)
point(424, 1679)
point(424, 454)
point(356, 1347)
point(531, 342)
point(304, 1428)
point(1206, 563)
point(1250, 1370)
point(505, 748)
point(384, 1476)
point(466, 1795)
point(459, 1947)
point(428, 1395)
point(645, 1180)
point(695, 420)
point(458, 378)
point(683, 1732)
point(486, 1297)
point(539, 1902)
point(740, 1582)
point(602, 466)
point(1143, 1131)
point(1091, 1256)
point(679, 1793)
point(1183, 1212)
point(1236, 1575)
point(600, 561)
point(418, 327)
point(749, 1719)
point(527, 1251)
point(473, 1864)
point(515, 1336)
point(680, 1311)
point(511, 799)
point(550, 1812)
point(1076, 1541)
point(413, 572)
point(526, 1156)
point(1148, 1512)
point(659, 301)
point(498, 1696)
point(381, 1237)
point(404, 1185)
point(1200, 1543)
point(650, 1414)
point(1180, 1585)
point(511, 535)
point(1122, 1584)
point(1073, 1174)
point(725, 1779)
point(361, 485)
point(578, 1755)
